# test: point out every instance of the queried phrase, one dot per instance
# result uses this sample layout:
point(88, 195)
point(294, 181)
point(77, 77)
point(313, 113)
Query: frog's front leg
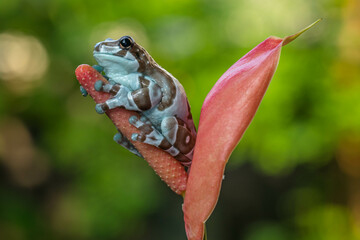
point(141, 99)
point(111, 88)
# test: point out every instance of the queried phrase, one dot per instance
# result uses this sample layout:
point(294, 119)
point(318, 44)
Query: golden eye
point(126, 42)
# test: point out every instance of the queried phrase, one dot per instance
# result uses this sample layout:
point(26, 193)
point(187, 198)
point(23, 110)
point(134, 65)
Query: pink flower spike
point(226, 113)
point(168, 168)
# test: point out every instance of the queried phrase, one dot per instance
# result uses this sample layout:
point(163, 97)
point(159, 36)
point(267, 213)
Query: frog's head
point(122, 56)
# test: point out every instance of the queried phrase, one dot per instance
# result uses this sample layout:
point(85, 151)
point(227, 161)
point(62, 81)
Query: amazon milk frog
point(138, 83)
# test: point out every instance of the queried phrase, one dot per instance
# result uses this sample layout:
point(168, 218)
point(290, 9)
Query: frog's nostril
point(109, 39)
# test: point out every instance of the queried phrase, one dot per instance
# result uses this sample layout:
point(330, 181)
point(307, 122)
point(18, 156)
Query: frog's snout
point(109, 45)
point(97, 47)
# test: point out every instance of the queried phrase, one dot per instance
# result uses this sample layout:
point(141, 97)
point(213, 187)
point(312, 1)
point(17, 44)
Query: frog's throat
point(116, 65)
point(114, 71)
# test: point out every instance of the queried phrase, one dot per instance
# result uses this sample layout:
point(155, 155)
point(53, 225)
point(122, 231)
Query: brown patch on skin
point(104, 107)
point(169, 124)
point(120, 53)
point(165, 145)
point(115, 89)
point(180, 142)
point(146, 129)
point(182, 158)
point(97, 47)
point(144, 82)
point(181, 122)
point(144, 59)
point(184, 124)
point(189, 116)
point(190, 120)
point(142, 98)
point(110, 44)
point(152, 138)
point(141, 137)
point(168, 87)
point(149, 67)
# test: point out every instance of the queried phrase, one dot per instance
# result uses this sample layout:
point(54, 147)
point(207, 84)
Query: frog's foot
point(83, 91)
point(148, 134)
point(123, 141)
point(101, 108)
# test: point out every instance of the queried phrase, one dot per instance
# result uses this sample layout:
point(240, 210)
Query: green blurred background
point(294, 175)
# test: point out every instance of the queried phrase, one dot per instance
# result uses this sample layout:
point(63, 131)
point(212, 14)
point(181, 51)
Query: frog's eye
point(126, 42)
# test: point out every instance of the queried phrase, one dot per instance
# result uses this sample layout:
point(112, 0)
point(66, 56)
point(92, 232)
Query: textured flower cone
point(226, 113)
point(169, 169)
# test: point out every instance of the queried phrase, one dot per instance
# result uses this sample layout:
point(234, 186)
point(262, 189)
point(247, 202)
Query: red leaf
point(169, 169)
point(226, 113)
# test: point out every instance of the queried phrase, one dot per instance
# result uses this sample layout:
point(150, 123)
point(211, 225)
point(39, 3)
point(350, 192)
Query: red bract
point(169, 169)
point(226, 113)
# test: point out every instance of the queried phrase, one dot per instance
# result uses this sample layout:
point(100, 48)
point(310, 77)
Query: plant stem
point(205, 232)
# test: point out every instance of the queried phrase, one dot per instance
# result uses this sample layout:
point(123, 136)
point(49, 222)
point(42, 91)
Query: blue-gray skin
point(138, 83)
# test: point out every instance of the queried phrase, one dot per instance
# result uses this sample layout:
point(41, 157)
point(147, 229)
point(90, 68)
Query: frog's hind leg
point(123, 141)
point(148, 134)
point(179, 135)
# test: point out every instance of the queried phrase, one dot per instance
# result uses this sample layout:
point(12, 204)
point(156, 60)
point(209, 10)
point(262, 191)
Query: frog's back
point(174, 101)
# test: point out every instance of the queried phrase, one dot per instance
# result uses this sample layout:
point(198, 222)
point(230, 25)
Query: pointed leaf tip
point(291, 38)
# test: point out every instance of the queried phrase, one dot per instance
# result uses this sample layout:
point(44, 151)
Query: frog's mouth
point(113, 56)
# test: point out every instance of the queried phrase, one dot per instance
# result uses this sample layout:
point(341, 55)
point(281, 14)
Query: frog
point(136, 82)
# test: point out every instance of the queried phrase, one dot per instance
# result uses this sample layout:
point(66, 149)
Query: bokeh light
point(281, 18)
point(23, 59)
point(26, 165)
